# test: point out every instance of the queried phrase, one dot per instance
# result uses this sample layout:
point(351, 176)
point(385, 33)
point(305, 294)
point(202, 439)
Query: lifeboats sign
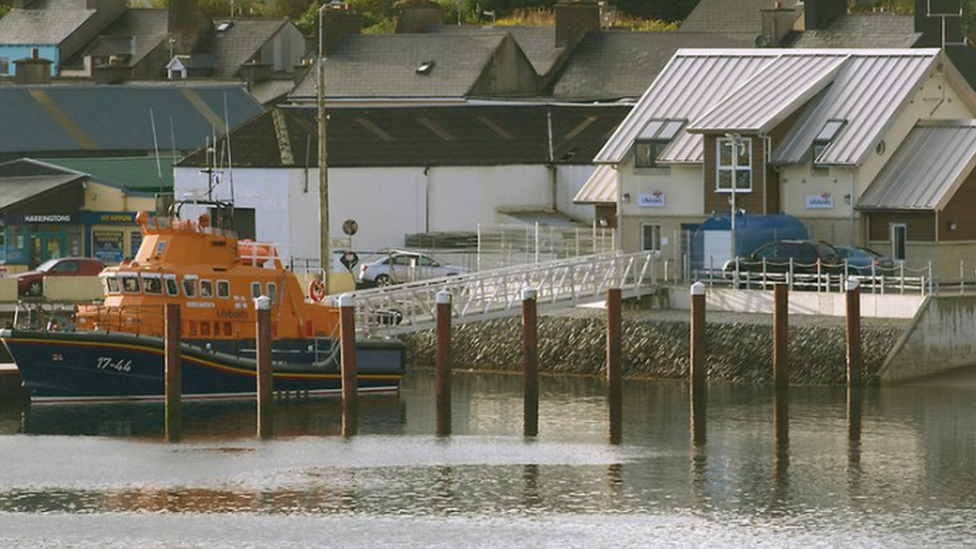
point(822, 201)
point(655, 199)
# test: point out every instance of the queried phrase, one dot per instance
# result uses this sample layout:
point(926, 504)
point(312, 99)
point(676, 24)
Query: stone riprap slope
point(656, 345)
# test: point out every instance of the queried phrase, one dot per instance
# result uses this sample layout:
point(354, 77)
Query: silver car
point(398, 266)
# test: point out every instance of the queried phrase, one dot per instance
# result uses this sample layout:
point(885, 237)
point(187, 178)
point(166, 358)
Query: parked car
point(865, 261)
point(32, 282)
point(808, 258)
point(398, 266)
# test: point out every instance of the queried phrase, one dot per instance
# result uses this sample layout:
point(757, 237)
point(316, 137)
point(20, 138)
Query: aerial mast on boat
point(324, 253)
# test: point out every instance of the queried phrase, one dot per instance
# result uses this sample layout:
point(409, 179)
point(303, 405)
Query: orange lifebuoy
point(316, 290)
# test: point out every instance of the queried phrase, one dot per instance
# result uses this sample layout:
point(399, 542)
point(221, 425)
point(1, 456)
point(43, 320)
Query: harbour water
point(893, 468)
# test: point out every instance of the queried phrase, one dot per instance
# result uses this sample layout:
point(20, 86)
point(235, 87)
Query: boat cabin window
point(190, 286)
point(160, 246)
point(171, 287)
point(223, 288)
point(273, 291)
point(255, 290)
point(130, 284)
point(206, 288)
point(111, 285)
point(204, 328)
point(153, 285)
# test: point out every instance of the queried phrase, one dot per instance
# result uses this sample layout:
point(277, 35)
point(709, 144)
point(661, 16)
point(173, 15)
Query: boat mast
point(324, 255)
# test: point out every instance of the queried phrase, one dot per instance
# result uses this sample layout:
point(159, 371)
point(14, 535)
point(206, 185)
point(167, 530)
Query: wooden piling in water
point(698, 372)
point(347, 352)
point(174, 375)
point(854, 359)
point(780, 339)
point(265, 381)
point(530, 362)
point(442, 383)
point(615, 363)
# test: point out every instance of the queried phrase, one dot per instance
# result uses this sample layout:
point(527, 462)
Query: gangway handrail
point(563, 283)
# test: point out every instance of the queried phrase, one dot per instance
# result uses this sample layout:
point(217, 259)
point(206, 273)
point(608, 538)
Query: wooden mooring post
point(854, 359)
point(698, 372)
point(442, 383)
point(780, 332)
point(615, 364)
point(174, 376)
point(347, 353)
point(530, 362)
point(265, 380)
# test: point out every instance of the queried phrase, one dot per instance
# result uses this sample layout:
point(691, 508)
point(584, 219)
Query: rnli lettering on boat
point(201, 304)
point(224, 313)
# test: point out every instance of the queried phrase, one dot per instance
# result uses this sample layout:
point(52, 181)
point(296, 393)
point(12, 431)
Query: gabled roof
point(239, 42)
point(610, 65)
point(43, 22)
point(728, 16)
point(138, 31)
point(386, 66)
point(751, 90)
point(926, 170)
point(863, 31)
point(133, 174)
point(424, 136)
point(538, 43)
point(86, 118)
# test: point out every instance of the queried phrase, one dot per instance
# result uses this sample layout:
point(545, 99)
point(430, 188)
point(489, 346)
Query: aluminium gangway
point(410, 307)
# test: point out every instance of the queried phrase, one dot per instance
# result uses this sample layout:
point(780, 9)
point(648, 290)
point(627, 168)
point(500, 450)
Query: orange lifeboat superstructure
point(214, 276)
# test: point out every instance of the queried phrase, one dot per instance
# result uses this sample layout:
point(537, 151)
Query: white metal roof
point(600, 188)
point(927, 169)
point(752, 90)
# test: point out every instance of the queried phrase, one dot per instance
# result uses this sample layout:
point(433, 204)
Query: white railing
point(497, 293)
point(763, 275)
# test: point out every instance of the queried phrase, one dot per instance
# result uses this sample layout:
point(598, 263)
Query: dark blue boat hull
point(75, 366)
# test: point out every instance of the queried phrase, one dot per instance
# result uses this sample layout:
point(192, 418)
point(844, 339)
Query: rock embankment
point(739, 347)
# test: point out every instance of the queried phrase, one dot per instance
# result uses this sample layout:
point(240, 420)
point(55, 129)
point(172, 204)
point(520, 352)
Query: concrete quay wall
point(941, 337)
point(656, 345)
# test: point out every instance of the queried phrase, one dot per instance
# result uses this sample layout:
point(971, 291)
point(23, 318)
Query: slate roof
point(863, 31)
point(44, 22)
point(386, 65)
point(538, 43)
point(137, 31)
point(750, 90)
point(728, 17)
point(87, 119)
point(238, 44)
point(613, 65)
point(929, 166)
point(424, 136)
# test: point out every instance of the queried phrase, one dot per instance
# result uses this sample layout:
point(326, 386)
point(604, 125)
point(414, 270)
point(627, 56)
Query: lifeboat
point(114, 350)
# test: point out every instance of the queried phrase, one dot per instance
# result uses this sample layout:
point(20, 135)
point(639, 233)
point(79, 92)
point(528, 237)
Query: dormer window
point(655, 137)
point(826, 136)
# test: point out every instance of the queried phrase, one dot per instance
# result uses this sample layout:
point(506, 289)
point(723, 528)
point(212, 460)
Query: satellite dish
point(760, 41)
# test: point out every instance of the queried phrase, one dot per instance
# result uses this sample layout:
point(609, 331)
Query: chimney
point(575, 19)
point(418, 16)
point(777, 22)
point(255, 71)
point(819, 13)
point(929, 17)
point(184, 25)
point(338, 23)
point(32, 70)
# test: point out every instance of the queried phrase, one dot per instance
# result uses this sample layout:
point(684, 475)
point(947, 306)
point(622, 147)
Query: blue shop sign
point(45, 218)
point(108, 218)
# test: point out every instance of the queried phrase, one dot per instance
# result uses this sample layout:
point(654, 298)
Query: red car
point(32, 282)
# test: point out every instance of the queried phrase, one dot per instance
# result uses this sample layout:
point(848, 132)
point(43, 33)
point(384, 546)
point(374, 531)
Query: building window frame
point(653, 139)
point(651, 237)
point(731, 167)
point(898, 234)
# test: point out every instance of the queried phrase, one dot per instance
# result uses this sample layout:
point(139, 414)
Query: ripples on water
point(101, 476)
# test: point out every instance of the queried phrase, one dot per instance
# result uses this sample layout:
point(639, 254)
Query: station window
point(651, 237)
point(653, 139)
point(734, 165)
